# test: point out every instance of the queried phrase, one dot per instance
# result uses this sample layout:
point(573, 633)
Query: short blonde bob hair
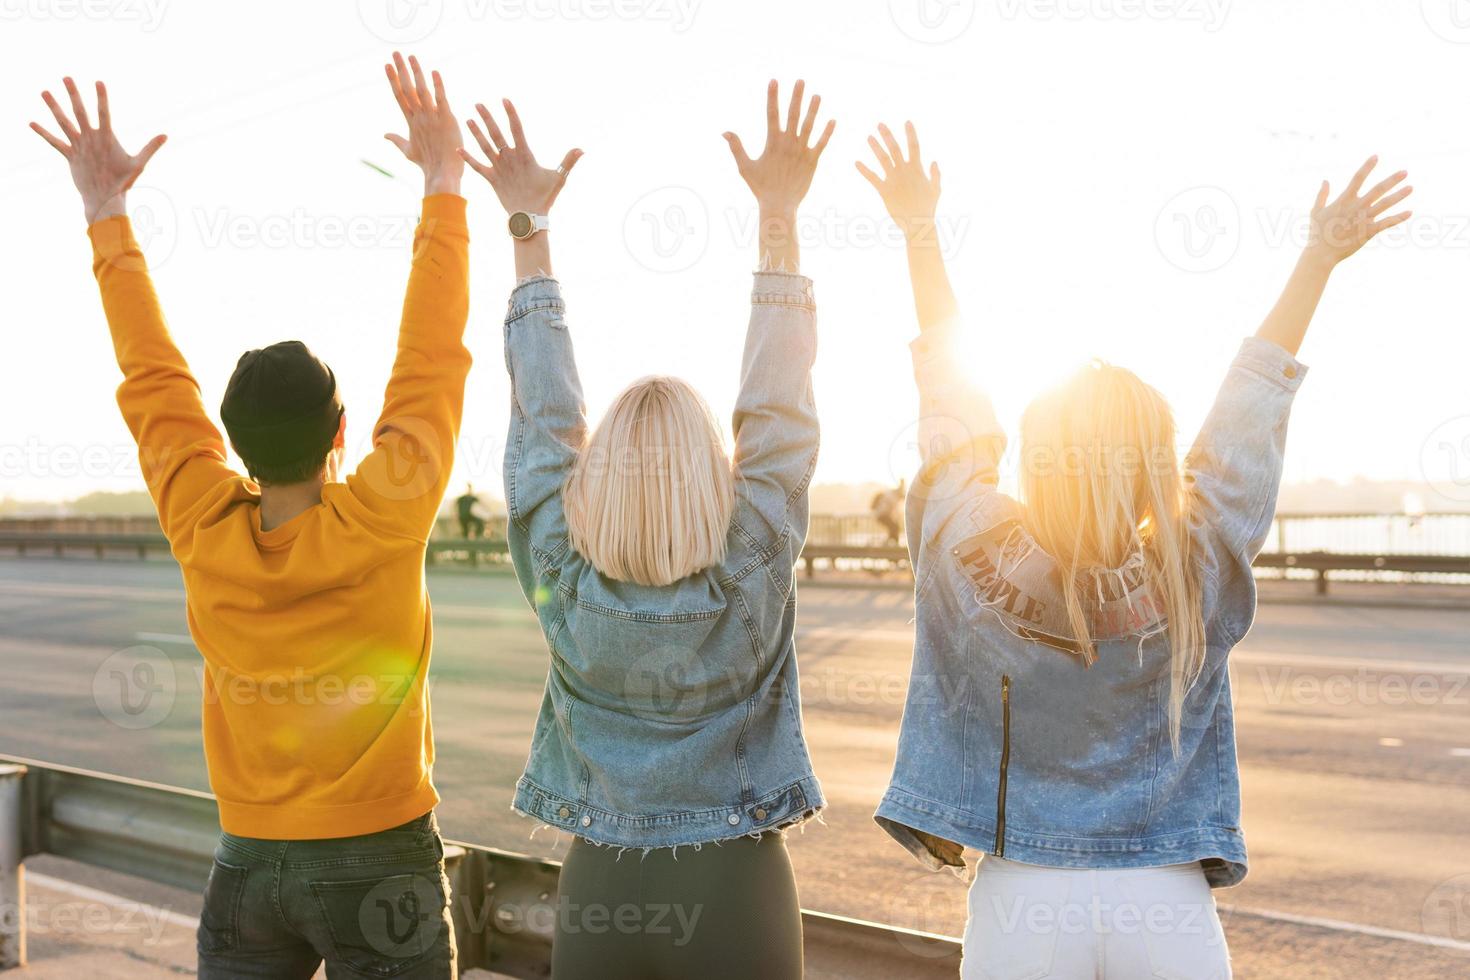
point(650, 497)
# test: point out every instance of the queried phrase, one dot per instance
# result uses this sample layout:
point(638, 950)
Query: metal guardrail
point(504, 903)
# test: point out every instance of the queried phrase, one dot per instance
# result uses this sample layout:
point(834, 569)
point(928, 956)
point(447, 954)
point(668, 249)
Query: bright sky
point(1123, 178)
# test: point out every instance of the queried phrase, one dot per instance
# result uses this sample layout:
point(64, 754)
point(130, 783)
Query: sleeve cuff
point(112, 237)
point(783, 289)
point(935, 344)
point(443, 207)
point(535, 293)
point(1271, 362)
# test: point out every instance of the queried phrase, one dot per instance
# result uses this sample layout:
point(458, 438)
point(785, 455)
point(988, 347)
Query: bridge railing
point(1321, 546)
point(504, 904)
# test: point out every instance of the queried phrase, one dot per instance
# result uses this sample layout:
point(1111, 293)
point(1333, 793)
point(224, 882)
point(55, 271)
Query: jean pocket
point(1178, 925)
point(1015, 922)
point(219, 922)
point(381, 927)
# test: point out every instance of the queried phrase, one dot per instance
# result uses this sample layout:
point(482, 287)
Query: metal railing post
point(12, 875)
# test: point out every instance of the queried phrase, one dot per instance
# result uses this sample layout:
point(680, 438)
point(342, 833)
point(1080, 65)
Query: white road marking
point(107, 898)
point(1391, 743)
point(1460, 753)
point(1337, 925)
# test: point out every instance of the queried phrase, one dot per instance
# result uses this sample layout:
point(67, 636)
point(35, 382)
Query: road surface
point(1354, 739)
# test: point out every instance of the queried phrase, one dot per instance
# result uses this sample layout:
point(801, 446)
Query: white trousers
point(1028, 923)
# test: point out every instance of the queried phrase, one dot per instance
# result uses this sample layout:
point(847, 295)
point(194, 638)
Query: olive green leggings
point(725, 910)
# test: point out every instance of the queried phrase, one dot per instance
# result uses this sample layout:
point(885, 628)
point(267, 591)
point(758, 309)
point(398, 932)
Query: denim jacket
point(671, 713)
point(1009, 744)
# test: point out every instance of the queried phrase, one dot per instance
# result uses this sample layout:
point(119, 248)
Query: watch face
point(521, 225)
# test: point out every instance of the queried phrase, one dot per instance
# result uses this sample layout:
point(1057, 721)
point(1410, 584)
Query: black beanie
point(281, 407)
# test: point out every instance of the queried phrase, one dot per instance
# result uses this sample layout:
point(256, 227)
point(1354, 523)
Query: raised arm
point(180, 451)
point(547, 419)
point(402, 481)
point(775, 423)
point(1236, 461)
point(959, 440)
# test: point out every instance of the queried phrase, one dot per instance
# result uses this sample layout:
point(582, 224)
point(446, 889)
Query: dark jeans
point(370, 906)
point(726, 911)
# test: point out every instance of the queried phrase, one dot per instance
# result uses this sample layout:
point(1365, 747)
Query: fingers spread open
point(440, 99)
point(497, 138)
point(913, 140)
point(407, 95)
point(1388, 223)
point(826, 135)
point(884, 160)
point(1322, 195)
point(1360, 177)
point(482, 169)
point(486, 146)
point(1384, 186)
point(395, 82)
point(67, 129)
point(773, 115)
point(793, 109)
point(811, 117)
point(872, 178)
point(420, 86)
point(737, 149)
point(61, 146)
point(104, 109)
point(568, 162)
point(891, 143)
point(516, 132)
point(1389, 201)
point(76, 104)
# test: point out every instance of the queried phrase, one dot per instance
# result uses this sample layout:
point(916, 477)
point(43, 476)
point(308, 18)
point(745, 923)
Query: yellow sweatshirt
point(315, 634)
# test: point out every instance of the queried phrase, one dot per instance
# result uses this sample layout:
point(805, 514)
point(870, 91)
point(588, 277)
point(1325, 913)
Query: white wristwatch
point(524, 225)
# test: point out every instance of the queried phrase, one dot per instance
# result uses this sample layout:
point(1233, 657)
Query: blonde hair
point(1102, 484)
point(650, 497)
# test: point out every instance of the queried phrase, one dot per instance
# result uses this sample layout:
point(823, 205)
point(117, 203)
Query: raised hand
point(1341, 228)
point(100, 167)
point(909, 192)
point(433, 141)
point(780, 177)
point(519, 181)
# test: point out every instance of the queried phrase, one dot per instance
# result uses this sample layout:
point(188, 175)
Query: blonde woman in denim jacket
point(670, 736)
point(1069, 710)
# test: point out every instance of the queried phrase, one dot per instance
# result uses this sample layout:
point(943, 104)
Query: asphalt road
point(1354, 739)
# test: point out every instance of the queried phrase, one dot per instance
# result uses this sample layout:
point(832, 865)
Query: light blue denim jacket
point(1009, 744)
point(671, 714)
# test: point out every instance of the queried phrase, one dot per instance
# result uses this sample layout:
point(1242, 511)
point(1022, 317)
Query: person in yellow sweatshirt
point(304, 585)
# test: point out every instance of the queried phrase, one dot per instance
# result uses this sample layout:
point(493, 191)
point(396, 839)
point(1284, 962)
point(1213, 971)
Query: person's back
point(305, 595)
point(1069, 711)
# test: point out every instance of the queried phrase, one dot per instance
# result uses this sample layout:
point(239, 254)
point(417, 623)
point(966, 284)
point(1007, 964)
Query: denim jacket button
point(564, 813)
point(734, 819)
point(586, 821)
point(760, 813)
point(1289, 371)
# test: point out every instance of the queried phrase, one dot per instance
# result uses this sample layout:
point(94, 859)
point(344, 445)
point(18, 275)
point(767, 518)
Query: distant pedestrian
point(471, 524)
point(887, 507)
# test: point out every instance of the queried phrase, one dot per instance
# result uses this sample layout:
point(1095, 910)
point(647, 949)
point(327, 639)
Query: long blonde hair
point(1102, 483)
point(650, 497)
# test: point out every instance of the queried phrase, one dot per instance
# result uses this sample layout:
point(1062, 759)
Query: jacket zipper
point(1005, 765)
